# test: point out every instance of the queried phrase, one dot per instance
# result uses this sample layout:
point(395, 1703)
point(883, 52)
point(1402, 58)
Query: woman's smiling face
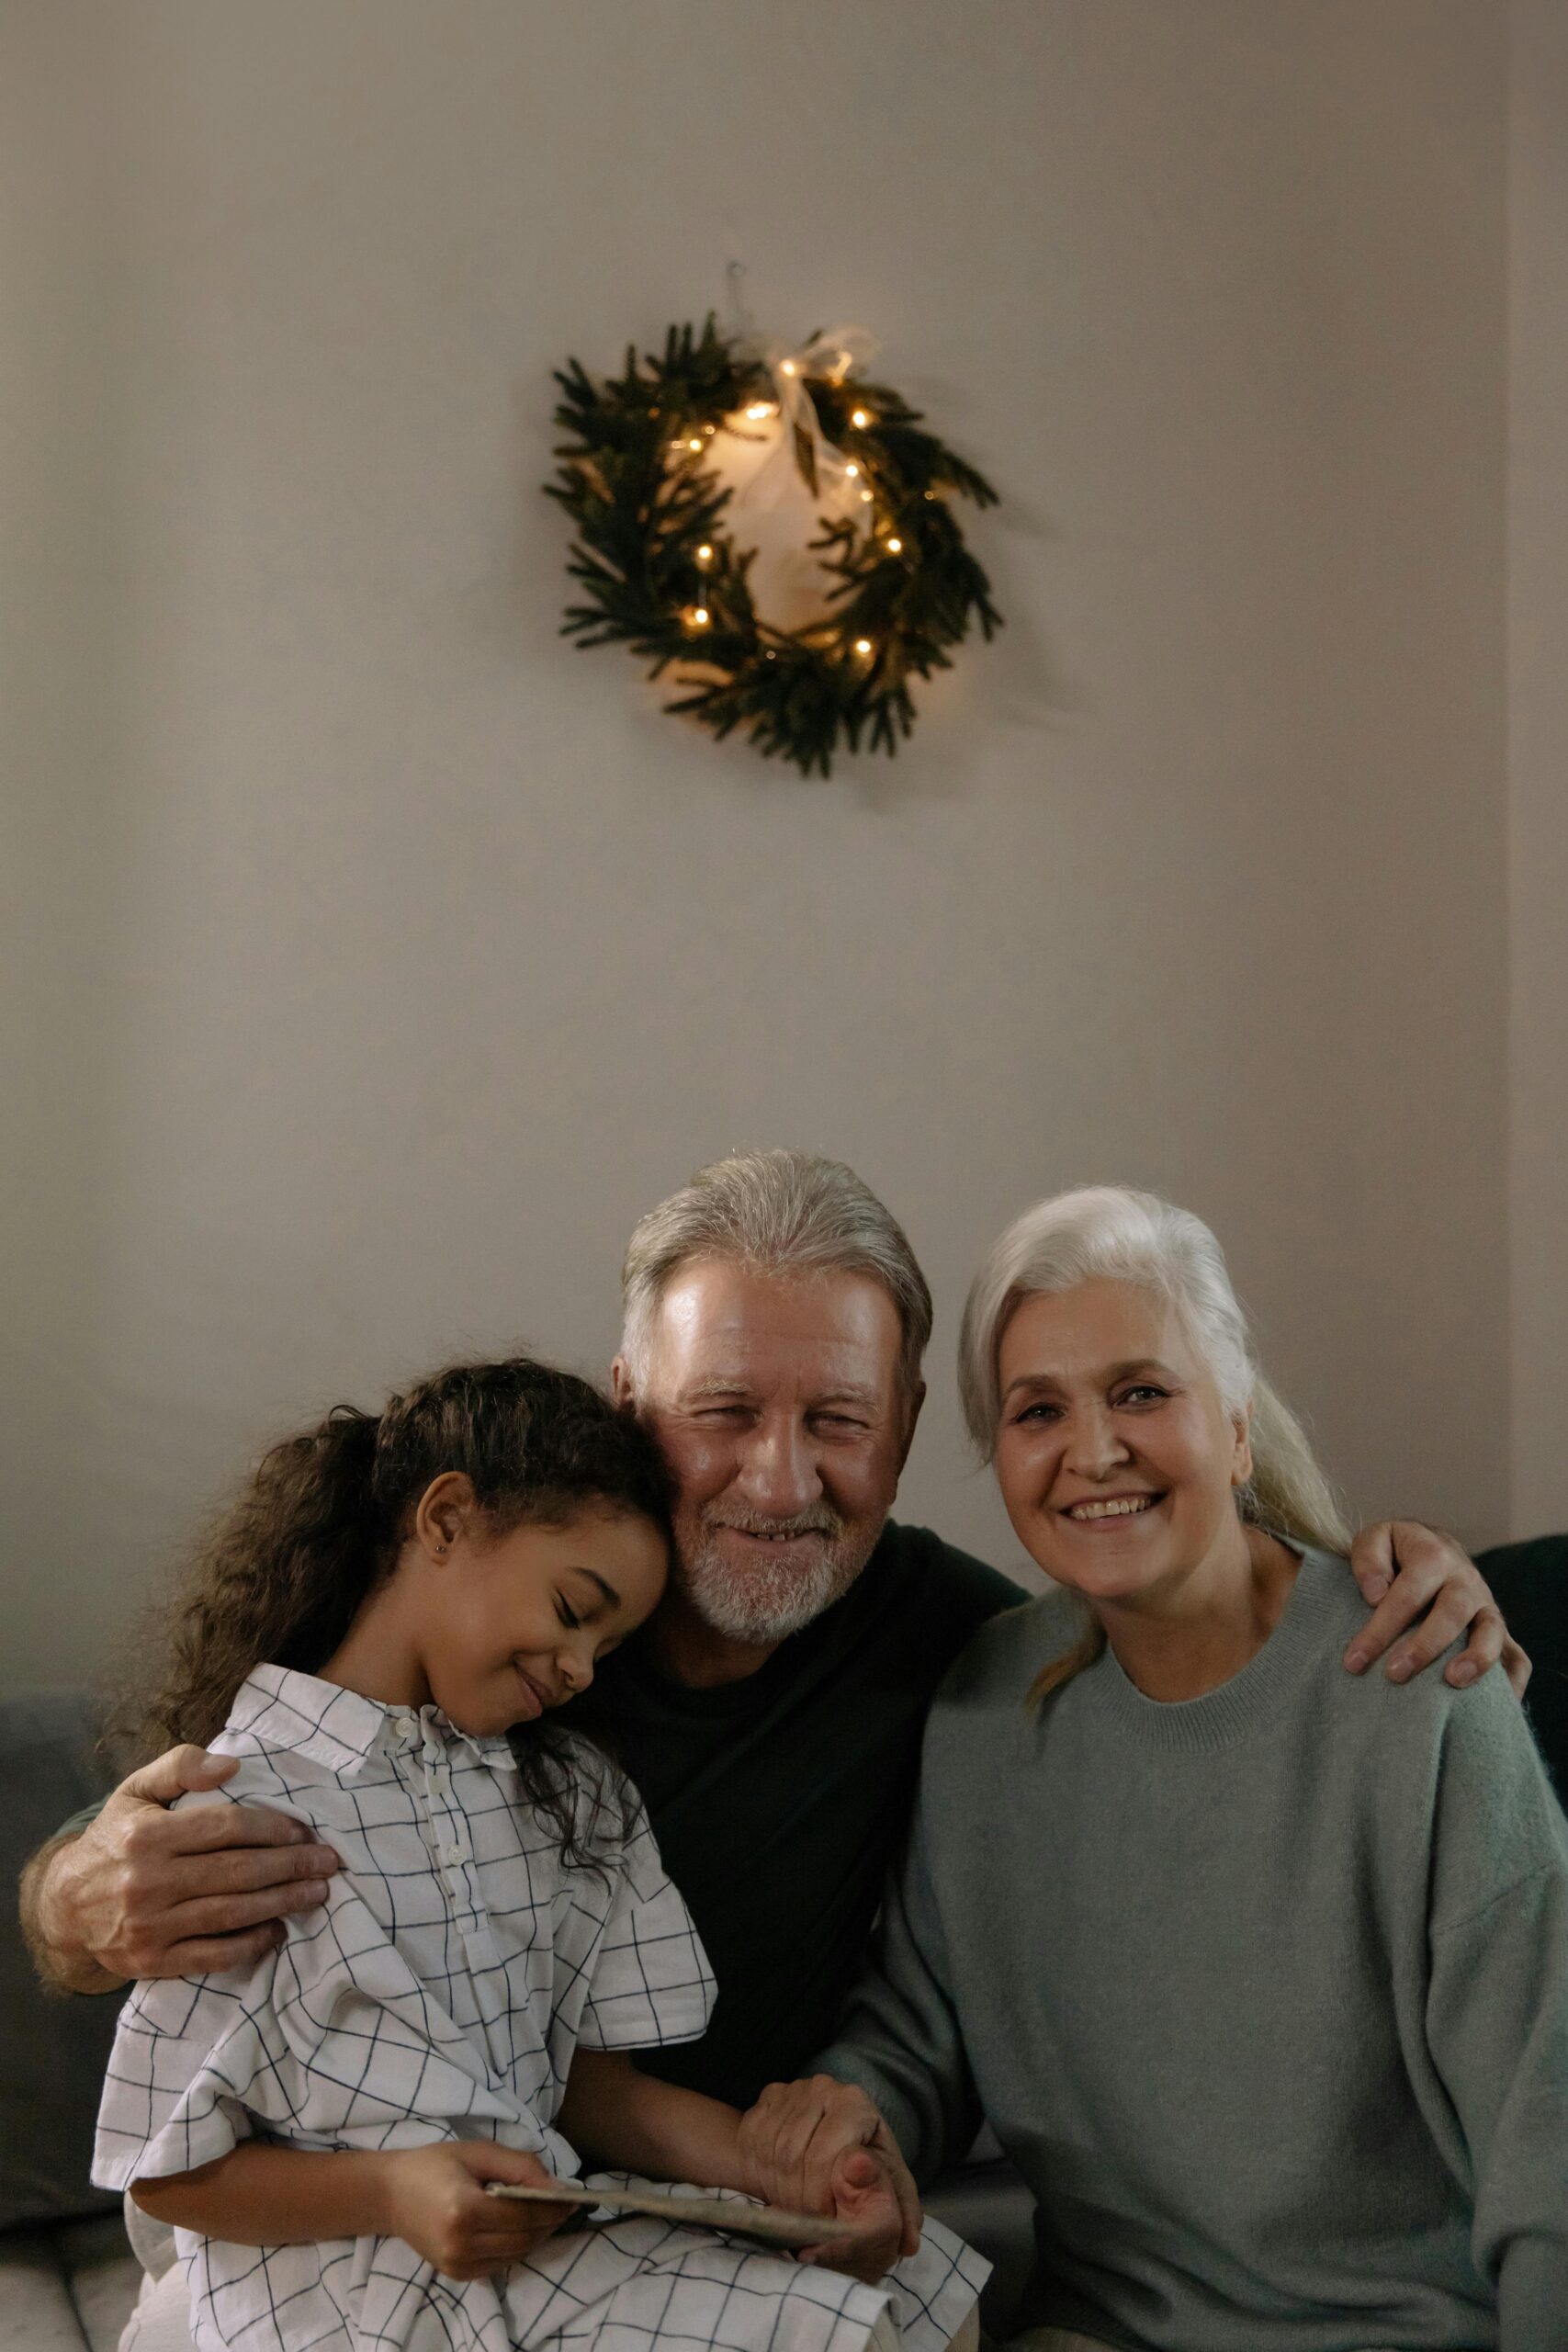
point(1118, 1461)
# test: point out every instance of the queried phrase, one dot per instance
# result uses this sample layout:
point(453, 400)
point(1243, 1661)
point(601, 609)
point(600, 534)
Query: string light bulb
point(701, 618)
point(864, 645)
point(789, 368)
point(758, 410)
point(865, 498)
point(894, 546)
point(693, 442)
point(853, 472)
point(704, 554)
point(860, 420)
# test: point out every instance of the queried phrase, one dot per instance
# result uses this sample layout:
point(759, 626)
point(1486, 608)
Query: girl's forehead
point(606, 1543)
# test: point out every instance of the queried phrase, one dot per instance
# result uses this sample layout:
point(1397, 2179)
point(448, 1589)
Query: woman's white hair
point(1107, 1232)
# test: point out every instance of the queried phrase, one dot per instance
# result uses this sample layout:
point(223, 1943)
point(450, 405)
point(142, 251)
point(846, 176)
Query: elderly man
point(770, 1712)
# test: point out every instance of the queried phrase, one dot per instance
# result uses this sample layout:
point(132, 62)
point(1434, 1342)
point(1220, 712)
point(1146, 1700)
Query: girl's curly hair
point(278, 1577)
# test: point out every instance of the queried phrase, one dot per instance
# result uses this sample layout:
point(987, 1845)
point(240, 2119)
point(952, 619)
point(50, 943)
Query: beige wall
point(376, 959)
point(1537, 765)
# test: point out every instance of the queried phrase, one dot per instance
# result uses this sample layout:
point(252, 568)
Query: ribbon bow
point(835, 354)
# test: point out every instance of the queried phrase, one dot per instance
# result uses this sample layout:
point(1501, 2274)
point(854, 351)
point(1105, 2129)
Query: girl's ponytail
point(276, 1580)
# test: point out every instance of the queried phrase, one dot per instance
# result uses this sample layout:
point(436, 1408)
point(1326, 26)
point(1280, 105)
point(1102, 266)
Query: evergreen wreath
point(658, 574)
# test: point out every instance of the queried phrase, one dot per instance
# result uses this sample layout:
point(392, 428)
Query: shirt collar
point(342, 1729)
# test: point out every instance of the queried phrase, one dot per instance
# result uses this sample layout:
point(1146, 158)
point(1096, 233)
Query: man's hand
point(147, 1892)
point(864, 2196)
point(436, 2203)
point(791, 2146)
point(1403, 1568)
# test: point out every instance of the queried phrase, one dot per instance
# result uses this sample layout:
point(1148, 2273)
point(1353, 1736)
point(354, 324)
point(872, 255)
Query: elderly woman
point(1259, 1973)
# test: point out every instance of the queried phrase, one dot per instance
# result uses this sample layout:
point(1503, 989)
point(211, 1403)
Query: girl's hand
point(435, 2201)
point(864, 2194)
point(793, 2141)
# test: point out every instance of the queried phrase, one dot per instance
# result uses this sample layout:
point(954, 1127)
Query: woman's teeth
point(1125, 1507)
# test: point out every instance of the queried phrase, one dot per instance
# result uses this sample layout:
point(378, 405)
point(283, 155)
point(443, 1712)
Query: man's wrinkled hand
point(1408, 1572)
point(149, 1891)
point(864, 2196)
point(792, 2142)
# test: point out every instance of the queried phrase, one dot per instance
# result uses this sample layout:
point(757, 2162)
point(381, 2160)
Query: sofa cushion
point(989, 2205)
point(101, 2274)
point(53, 2048)
point(36, 2310)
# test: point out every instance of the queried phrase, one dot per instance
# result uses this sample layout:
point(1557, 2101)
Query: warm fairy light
point(693, 442)
point(789, 368)
point(860, 420)
point(758, 410)
point(854, 471)
point(705, 555)
point(865, 498)
point(700, 618)
point(863, 645)
point(894, 546)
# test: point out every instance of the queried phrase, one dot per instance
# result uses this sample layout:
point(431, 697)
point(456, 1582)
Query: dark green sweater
point(1266, 1992)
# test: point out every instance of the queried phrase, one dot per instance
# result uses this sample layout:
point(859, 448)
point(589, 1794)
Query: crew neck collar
point(1221, 1716)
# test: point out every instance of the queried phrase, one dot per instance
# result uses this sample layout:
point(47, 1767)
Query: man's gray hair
point(779, 1212)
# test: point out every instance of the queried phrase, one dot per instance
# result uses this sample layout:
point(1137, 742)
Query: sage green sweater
point(1265, 1993)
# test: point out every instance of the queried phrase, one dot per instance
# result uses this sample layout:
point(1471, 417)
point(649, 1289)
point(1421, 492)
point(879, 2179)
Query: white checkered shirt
point(439, 1993)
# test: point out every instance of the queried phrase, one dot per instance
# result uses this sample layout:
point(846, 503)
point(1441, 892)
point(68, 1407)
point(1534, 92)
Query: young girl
point(389, 1599)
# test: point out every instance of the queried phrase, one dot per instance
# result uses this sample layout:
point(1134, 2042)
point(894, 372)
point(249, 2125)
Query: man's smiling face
point(778, 1404)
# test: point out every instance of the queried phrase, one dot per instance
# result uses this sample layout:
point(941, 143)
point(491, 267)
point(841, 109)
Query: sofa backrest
point(1530, 1581)
point(53, 2048)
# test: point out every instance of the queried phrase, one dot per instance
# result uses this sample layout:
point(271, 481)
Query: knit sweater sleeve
point(898, 2037)
point(1497, 2003)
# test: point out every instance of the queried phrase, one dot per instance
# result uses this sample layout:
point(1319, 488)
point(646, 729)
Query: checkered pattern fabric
point(440, 1994)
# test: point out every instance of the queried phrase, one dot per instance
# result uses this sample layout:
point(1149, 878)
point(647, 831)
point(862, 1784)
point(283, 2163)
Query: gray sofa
point(68, 2277)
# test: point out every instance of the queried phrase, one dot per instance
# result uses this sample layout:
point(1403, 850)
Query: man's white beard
point(767, 1602)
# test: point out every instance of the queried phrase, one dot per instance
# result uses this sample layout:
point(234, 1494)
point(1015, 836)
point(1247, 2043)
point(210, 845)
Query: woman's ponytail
point(1290, 1493)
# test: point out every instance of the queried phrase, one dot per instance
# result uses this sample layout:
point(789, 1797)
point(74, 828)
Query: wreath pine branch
point(657, 572)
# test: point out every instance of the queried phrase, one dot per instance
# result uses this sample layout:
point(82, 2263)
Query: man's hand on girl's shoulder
point(150, 1890)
